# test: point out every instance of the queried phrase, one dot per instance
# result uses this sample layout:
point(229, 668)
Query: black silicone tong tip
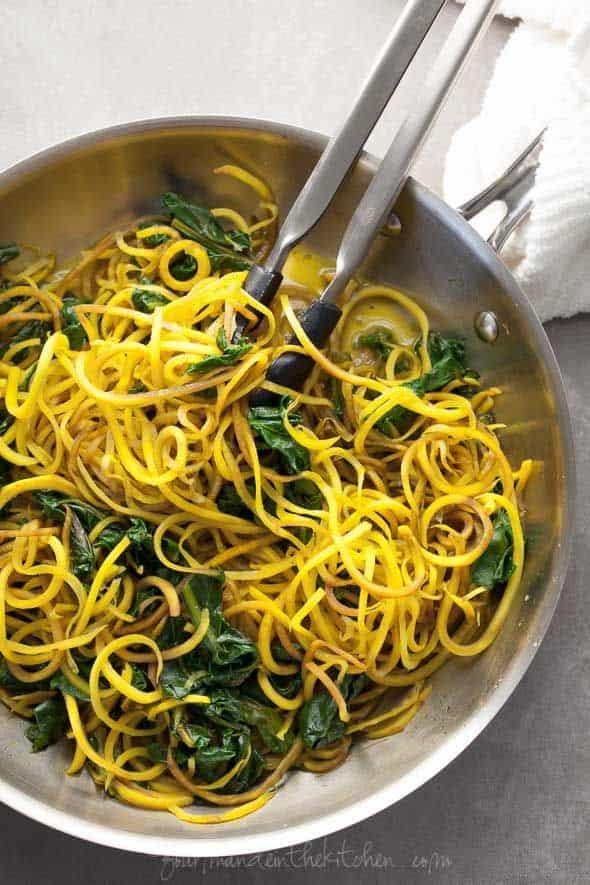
point(262, 285)
point(293, 369)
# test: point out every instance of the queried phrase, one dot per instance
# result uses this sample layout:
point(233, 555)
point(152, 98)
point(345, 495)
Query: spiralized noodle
point(349, 547)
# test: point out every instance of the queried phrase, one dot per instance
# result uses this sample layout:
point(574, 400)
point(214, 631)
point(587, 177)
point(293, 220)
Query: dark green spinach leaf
point(81, 550)
point(71, 326)
point(146, 300)
point(319, 723)
point(229, 501)
point(305, 493)
point(139, 677)
point(229, 707)
point(379, 340)
point(229, 355)
point(173, 633)
point(14, 685)
point(60, 682)
point(8, 252)
point(227, 249)
point(141, 596)
point(228, 654)
point(51, 722)
point(183, 267)
point(159, 753)
point(178, 679)
point(267, 422)
point(249, 774)
point(53, 506)
point(84, 517)
point(496, 563)
point(110, 537)
point(6, 421)
point(447, 356)
point(337, 397)
point(154, 239)
point(30, 329)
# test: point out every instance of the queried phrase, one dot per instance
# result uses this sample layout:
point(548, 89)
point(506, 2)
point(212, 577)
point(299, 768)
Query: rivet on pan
point(486, 326)
point(392, 227)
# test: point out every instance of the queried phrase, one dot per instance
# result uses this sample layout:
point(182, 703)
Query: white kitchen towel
point(542, 78)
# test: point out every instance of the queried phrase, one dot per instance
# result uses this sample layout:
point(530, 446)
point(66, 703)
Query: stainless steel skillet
point(65, 198)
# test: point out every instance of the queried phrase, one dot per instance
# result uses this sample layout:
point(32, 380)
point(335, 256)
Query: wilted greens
point(227, 249)
point(268, 424)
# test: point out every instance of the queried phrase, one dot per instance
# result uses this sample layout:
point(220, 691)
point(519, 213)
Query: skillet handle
point(514, 188)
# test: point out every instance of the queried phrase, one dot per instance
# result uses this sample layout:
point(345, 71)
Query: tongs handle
point(376, 204)
point(342, 150)
point(291, 369)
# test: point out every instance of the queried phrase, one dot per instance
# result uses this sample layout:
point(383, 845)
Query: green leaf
point(280, 653)
point(50, 724)
point(447, 356)
point(140, 536)
point(305, 493)
point(159, 753)
point(81, 550)
point(267, 422)
point(319, 723)
point(496, 563)
point(204, 591)
point(216, 746)
point(227, 249)
point(440, 348)
point(146, 300)
point(172, 634)
point(28, 377)
point(197, 735)
point(380, 340)
point(8, 252)
point(110, 537)
point(60, 682)
point(70, 324)
point(5, 472)
point(215, 750)
point(30, 329)
point(183, 267)
point(141, 596)
point(6, 421)
point(154, 239)
point(228, 655)
point(141, 551)
point(224, 262)
point(229, 501)
point(139, 677)
point(229, 706)
point(228, 356)
point(249, 774)
point(178, 680)
point(287, 686)
point(84, 518)
point(337, 397)
point(53, 506)
point(400, 418)
point(7, 305)
point(14, 685)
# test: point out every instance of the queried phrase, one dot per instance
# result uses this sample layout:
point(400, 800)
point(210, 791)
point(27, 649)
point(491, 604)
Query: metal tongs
point(292, 368)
